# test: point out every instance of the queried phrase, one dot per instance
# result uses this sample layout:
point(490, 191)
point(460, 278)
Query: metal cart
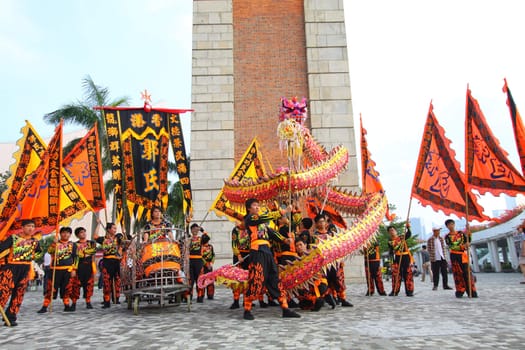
point(153, 271)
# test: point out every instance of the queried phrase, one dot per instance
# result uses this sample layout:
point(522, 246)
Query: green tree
point(175, 204)
point(45, 242)
point(82, 113)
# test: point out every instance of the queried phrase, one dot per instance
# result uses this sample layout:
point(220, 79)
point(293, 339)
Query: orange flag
point(487, 167)
point(39, 187)
point(438, 181)
point(84, 166)
point(369, 175)
point(517, 124)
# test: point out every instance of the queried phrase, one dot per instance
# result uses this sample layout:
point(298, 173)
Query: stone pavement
point(429, 320)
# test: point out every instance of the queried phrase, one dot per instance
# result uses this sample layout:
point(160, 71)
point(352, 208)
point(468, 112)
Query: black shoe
point(43, 310)
point(73, 307)
point(346, 303)
point(287, 313)
point(262, 304)
point(392, 294)
point(200, 299)
point(11, 324)
point(89, 306)
point(235, 305)
point(446, 287)
point(248, 315)
point(210, 297)
point(117, 302)
point(292, 304)
point(410, 294)
point(319, 302)
point(459, 294)
point(330, 300)
point(383, 294)
point(107, 305)
point(474, 294)
point(436, 288)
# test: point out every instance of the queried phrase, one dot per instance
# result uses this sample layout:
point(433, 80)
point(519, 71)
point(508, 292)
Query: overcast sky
point(402, 55)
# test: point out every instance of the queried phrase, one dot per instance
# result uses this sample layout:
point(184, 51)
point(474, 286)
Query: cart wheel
point(136, 305)
point(129, 300)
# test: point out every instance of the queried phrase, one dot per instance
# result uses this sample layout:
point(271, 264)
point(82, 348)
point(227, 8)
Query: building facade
point(246, 56)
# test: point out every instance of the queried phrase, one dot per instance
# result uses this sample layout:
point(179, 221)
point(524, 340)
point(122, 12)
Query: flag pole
point(367, 257)
point(4, 316)
point(467, 189)
point(57, 224)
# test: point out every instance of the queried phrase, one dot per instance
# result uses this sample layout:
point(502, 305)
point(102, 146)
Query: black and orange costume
point(457, 244)
point(401, 269)
point(156, 231)
point(85, 276)
point(196, 264)
point(285, 251)
point(63, 263)
point(374, 279)
point(16, 271)
point(208, 257)
point(334, 274)
point(262, 268)
point(312, 298)
point(111, 267)
point(241, 250)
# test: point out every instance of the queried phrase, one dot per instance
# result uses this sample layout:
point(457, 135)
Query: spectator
point(438, 263)
point(521, 230)
point(425, 266)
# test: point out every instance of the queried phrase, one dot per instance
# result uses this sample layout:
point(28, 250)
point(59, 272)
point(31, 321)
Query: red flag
point(84, 166)
point(314, 206)
point(517, 124)
point(438, 180)
point(487, 167)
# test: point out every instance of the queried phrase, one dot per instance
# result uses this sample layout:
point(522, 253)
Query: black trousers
point(195, 271)
point(440, 266)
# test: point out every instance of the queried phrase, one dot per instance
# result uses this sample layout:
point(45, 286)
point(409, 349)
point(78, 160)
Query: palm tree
point(83, 114)
point(174, 210)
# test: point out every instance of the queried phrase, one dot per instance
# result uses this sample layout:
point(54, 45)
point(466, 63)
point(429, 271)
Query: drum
point(161, 254)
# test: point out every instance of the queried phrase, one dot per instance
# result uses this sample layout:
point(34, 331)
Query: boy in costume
point(17, 252)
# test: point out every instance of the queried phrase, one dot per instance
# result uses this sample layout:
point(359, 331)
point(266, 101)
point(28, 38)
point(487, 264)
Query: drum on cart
point(153, 271)
point(161, 254)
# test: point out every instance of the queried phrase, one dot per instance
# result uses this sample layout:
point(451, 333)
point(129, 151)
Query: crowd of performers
point(256, 247)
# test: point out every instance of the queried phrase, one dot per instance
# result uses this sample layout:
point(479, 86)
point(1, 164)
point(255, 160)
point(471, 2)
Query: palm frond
point(95, 95)
point(70, 145)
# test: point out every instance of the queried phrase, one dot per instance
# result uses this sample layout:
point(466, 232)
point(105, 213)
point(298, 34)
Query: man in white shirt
point(438, 262)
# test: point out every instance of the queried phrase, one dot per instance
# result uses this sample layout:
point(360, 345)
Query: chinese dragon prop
point(314, 170)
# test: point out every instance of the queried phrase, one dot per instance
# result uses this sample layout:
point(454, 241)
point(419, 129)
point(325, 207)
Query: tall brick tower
point(246, 56)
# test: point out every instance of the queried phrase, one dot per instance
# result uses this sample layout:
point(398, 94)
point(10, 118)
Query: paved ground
point(429, 320)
